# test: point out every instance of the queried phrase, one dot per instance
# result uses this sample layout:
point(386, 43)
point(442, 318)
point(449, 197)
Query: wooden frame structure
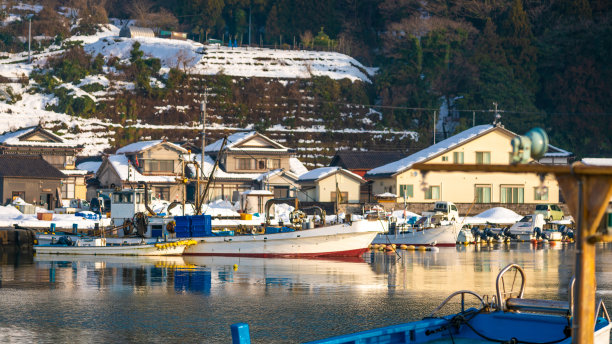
point(587, 191)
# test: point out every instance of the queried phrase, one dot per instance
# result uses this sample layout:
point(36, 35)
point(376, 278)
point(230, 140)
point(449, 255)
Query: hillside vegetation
point(545, 63)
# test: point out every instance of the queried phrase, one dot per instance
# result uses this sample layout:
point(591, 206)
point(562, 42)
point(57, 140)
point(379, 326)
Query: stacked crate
point(182, 229)
point(201, 225)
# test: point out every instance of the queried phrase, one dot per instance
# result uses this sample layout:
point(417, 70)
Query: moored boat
point(442, 234)
point(350, 239)
point(99, 246)
point(508, 318)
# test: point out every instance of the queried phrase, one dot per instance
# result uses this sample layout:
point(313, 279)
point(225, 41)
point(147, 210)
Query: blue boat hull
point(472, 326)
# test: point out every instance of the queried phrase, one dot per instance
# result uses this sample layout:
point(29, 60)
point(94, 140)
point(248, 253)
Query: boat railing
point(451, 296)
point(601, 306)
point(500, 283)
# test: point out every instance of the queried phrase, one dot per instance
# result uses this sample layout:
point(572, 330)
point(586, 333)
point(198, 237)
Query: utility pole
point(29, 40)
point(434, 127)
point(203, 110)
point(249, 25)
point(473, 118)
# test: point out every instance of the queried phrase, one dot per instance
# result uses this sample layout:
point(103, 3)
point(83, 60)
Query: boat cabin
point(127, 202)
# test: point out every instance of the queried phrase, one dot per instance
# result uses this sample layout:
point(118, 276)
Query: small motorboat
point(508, 318)
point(99, 246)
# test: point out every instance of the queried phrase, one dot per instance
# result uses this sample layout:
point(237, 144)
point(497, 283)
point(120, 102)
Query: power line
point(407, 108)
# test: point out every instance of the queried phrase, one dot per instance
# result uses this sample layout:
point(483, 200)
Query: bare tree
point(307, 38)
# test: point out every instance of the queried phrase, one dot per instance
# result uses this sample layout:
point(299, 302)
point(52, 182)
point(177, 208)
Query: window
point(540, 194)
point(67, 190)
point(281, 191)
point(274, 164)
point(458, 157)
point(122, 198)
point(483, 194)
point(512, 194)
point(406, 191)
point(157, 166)
point(433, 192)
point(261, 165)
point(244, 164)
point(162, 193)
point(483, 158)
point(445, 158)
point(343, 196)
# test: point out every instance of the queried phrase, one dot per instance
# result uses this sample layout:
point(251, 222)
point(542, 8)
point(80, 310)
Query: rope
point(459, 319)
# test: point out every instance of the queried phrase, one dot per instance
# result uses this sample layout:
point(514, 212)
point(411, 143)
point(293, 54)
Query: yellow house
point(321, 185)
point(484, 144)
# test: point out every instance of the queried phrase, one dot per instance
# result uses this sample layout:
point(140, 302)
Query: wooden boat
point(509, 318)
point(99, 246)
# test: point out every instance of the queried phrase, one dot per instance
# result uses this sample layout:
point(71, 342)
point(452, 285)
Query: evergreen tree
point(519, 45)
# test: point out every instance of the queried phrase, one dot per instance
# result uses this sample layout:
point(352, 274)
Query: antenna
point(497, 118)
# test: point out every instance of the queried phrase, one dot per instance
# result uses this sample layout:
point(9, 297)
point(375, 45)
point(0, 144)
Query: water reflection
point(195, 299)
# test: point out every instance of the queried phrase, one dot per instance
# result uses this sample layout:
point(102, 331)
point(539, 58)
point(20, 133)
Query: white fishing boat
point(528, 228)
point(432, 229)
point(349, 239)
point(99, 246)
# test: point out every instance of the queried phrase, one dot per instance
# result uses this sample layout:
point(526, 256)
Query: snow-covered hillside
point(197, 58)
point(26, 107)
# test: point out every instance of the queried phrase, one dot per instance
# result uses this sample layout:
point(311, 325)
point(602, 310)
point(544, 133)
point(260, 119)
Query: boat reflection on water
point(206, 274)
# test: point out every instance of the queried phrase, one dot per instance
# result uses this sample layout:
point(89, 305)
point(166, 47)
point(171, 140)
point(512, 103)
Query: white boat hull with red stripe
point(340, 240)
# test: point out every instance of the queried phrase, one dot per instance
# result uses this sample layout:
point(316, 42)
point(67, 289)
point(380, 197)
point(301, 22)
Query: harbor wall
point(18, 238)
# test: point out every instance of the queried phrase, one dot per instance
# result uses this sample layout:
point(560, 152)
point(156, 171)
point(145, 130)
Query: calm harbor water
point(57, 299)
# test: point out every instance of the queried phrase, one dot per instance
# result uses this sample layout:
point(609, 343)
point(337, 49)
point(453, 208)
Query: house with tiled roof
point(251, 160)
point(37, 141)
point(30, 178)
point(158, 163)
point(484, 144)
point(322, 185)
point(360, 162)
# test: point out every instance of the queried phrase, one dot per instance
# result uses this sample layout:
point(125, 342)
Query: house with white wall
point(484, 144)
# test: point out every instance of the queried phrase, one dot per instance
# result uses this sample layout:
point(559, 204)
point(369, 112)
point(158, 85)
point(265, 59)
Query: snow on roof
point(232, 140)
point(258, 192)
point(91, 166)
point(12, 138)
point(323, 172)
point(74, 172)
point(129, 173)
point(597, 161)
point(554, 151)
point(219, 173)
point(386, 195)
point(296, 166)
point(497, 215)
point(240, 137)
point(143, 145)
point(431, 151)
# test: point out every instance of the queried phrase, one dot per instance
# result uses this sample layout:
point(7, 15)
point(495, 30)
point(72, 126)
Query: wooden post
point(587, 191)
point(587, 198)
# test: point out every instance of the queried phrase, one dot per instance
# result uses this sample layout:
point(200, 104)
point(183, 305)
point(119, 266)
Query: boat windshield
point(527, 219)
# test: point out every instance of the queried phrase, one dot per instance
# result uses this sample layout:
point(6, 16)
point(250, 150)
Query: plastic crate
point(184, 221)
point(272, 230)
